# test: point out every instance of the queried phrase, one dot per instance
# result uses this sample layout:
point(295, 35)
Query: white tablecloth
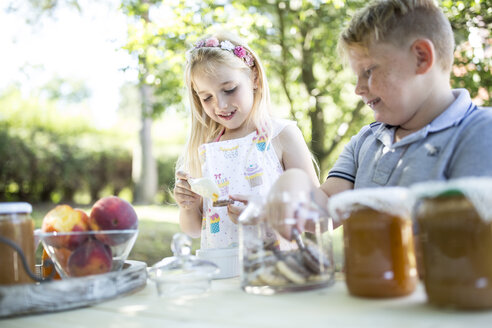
point(226, 305)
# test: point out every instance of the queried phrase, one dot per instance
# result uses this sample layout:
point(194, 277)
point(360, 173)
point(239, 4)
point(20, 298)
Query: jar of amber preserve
point(16, 228)
point(378, 241)
point(455, 233)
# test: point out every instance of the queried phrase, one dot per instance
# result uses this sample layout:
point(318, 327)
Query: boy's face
point(387, 82)
point(227, 96)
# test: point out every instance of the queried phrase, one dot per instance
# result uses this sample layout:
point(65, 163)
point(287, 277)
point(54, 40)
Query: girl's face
point(227, 97)
point(386, 82)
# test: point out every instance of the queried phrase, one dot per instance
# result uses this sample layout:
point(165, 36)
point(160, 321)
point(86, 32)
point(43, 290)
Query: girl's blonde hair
point(396, 21)
point(204, 60)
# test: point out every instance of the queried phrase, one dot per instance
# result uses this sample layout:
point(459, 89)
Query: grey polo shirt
point(455, 144)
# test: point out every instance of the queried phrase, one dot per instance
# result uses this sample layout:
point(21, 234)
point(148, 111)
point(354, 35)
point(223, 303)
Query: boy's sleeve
point(346, 165)
point(473, 154)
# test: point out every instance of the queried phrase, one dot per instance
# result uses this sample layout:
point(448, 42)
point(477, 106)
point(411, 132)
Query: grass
point(157, 225)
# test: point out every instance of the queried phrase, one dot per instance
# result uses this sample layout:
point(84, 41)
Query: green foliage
point(296, 41)
point(49, 156)
point(165, 169)
point(473, 56)
point(157, 36)
point(298, 45)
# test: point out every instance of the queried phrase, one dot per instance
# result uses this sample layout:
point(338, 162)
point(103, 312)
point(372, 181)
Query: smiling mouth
point(373, 102)
point(227, 116)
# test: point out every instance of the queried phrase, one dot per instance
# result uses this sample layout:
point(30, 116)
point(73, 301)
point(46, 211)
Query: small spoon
point(298, 239)
point(312, 257)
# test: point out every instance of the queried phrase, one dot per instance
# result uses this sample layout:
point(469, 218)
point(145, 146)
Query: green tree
point(299, 46)
point(297, 42)
point(472, 25)
point(157, 35)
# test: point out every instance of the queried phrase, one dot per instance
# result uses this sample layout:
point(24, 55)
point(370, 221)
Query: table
point(226, 305)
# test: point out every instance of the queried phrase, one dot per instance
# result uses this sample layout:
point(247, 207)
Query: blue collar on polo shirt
point(453, 115)
point(461, 107)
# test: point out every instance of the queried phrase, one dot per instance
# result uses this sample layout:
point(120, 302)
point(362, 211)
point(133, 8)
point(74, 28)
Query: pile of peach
point(82, 254)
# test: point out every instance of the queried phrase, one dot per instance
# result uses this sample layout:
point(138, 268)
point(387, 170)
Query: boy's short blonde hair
point(395, 22)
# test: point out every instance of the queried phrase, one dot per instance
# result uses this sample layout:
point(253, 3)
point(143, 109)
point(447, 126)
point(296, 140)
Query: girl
point(233, 140)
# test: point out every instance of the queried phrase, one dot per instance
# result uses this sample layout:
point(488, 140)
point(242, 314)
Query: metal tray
point(71, 293)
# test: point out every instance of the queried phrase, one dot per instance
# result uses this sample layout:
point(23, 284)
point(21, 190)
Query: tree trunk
point(144, 166)
point(356, 117)
point(318, 127)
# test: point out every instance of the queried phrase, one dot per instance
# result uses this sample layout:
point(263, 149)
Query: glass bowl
point(84, 253)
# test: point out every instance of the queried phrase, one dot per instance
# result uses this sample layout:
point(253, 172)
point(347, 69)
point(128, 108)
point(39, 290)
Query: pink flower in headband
point(244, 54)
point(212, 42)
point(200, 44)
point(238, 51)
point(241, 52)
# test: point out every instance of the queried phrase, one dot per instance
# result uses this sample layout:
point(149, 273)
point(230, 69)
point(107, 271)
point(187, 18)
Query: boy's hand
point(285, 215)
point(185, 198)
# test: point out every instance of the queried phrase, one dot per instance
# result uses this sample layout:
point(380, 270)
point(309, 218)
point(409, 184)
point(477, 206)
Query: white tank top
point(246, 166)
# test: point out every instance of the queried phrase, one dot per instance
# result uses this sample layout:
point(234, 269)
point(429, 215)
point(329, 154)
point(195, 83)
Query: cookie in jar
point(274, 261)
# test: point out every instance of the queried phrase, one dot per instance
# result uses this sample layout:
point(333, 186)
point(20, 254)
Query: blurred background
point(92, 100)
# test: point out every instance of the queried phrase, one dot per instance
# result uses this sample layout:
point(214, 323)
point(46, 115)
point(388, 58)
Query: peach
point(92, 257)
point(112, 213)
point(64, 218)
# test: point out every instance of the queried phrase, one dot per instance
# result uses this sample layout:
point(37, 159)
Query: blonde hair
point(204, 60)
point(397, 21)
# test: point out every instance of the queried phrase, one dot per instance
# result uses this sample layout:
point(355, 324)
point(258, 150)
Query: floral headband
point(238, 51)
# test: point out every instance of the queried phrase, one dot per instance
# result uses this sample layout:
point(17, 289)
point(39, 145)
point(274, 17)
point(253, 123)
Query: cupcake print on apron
point(242, 166)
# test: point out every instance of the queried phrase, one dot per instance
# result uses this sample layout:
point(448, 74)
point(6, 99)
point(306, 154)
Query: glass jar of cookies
point(378, 241)
point(285, 246)
point(455, 232)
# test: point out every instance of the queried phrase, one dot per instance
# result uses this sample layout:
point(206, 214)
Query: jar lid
point(392, 200)
point(15, 207)
point(478, 190)
point(182, 273)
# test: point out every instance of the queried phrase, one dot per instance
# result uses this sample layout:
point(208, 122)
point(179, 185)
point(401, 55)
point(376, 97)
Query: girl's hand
point(235, 210)
point(185, 198)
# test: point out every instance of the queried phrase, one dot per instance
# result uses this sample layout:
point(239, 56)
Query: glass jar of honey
point(378, 241)
point(455, 235)
point(16, 231)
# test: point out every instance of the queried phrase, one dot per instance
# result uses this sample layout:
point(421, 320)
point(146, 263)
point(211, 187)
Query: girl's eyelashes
point(230, 90)
point(368, 72)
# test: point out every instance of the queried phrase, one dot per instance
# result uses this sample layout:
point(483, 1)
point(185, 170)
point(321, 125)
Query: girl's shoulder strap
point(220, 135)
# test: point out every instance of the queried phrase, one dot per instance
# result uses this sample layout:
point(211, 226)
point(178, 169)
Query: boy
point(402, 54)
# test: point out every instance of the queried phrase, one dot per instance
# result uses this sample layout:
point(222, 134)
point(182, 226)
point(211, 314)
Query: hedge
point(39, 165)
